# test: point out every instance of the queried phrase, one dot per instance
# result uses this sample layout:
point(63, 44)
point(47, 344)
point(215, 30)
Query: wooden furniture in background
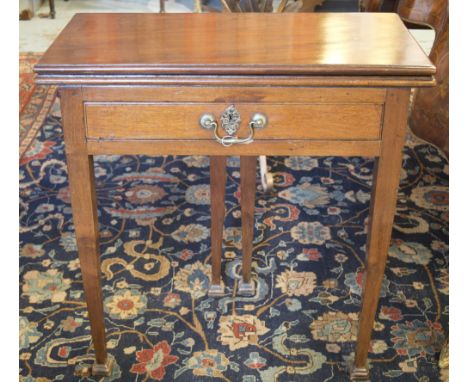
point(429, 118)
point(371, 5)
point(164, 81)
point(379, 5)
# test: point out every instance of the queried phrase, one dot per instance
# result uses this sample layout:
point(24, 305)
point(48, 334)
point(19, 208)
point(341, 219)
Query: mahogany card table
point(235, 84)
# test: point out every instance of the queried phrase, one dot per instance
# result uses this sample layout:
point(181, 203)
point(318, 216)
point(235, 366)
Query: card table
point(316, 84)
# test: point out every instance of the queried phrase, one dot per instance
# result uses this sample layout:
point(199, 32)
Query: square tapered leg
point(248, 170)
point(85, 219)
point(383, 205)
point(217, 190)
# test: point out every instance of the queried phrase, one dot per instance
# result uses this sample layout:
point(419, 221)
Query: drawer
point(180, 120)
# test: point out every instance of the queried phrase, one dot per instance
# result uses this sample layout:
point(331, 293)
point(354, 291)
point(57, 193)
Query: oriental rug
point(308, 262)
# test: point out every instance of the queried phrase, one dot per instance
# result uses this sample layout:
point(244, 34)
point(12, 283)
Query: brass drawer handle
point(230, 122)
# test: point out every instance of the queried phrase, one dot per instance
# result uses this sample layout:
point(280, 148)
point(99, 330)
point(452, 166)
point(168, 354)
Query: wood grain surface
point(249, 43)
point(330, 84)
point(181, 120)
point(85, 215)
point(248, 170)
point(218, 178)
point(382, 211)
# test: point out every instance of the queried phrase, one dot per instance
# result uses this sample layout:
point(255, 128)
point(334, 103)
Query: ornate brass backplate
point(230, 120)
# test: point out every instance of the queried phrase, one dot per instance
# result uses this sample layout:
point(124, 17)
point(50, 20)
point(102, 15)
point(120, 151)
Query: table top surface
point(236, 44)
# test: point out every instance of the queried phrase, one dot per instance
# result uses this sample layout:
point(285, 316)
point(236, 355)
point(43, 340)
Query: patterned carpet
point(308, 261)
point(34, 100)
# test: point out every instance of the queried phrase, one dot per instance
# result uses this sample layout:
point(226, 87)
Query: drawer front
point(180, 120)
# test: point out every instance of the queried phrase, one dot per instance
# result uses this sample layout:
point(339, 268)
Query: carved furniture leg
point(383, 205)
point(85, 219)
point(217, 190)
point(248, 167)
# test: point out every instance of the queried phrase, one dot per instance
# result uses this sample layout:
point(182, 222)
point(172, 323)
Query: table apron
point(209, 147)
point(164, 120)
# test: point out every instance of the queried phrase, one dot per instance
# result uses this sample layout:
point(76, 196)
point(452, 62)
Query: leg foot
point(103, 370)
point(359, 373)
point(216, 290)
point(97, 369)
point(246, 289)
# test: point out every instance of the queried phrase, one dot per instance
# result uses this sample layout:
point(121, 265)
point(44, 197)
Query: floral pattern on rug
point(35, 101)
point(308, 262)
point(27, 61)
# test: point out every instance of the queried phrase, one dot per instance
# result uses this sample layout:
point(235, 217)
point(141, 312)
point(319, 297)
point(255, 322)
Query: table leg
point(85, 219)
point(52, 8)
point(383, 205)
point(248, 169)
point(217, 191)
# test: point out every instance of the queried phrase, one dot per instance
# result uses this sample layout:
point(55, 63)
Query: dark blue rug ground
point(308, 259)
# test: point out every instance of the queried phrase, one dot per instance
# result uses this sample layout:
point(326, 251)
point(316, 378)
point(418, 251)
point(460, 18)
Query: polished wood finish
point(121, 121)
point(317, 147)
point(429, 118)
point(248, 171)
point(258, 80)
point(234, 94)
point(430, 110)
point(85, 216)
point(218, 178)
point(306, 43)
point(383, 204)
point(171, 119)
point(432, 13)
point(329, 86)
point(274, 147)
